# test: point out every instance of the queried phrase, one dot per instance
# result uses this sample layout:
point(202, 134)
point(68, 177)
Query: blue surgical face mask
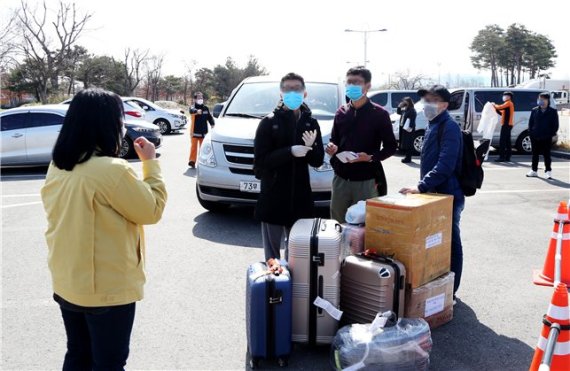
point(541, 103)
point(293, 99)
point(354, 92)
point(431, 110)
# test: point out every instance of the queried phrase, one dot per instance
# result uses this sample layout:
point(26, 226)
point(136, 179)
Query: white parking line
point(521, 168)
point(22, 204)
point(25, 177)
point(22, 195)
point(567, 190)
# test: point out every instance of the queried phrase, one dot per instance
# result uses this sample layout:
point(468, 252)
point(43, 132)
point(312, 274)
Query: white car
point(166, 119)
point(30, 133)
point(225, 163)
point(132, 111)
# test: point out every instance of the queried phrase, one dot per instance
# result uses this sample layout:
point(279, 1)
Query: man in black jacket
point(286, 142)
point(542, 126)
point(201, 116)
point(360, 129)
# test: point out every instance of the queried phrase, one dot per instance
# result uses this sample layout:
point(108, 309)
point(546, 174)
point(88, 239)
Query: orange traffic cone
point(558, 312)
point(546, 276)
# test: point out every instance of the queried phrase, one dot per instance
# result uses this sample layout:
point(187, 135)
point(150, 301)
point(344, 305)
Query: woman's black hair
point(93, 125)
point(409, 101)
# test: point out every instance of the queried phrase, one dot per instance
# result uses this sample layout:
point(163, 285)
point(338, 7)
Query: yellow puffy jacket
point(95, 237)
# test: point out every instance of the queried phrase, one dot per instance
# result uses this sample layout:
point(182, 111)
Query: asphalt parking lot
point(193, 314)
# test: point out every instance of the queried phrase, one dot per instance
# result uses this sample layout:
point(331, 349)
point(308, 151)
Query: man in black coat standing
point(543, 125)
point(287, 141)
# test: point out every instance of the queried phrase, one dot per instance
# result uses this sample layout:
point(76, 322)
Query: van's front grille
point(236, 170)
point(242, 155)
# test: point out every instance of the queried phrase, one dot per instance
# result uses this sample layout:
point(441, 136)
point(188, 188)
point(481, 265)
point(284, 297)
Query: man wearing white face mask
point(441, 164)
point(287, 142)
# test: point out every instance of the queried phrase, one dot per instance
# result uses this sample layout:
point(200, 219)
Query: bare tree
point(188, 84)
point(7, 41)
point(407, 81)
point(133, 64)
point(46, 43)
point(153, 67)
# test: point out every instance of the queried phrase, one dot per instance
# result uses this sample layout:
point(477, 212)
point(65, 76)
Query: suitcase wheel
point(283, 362)
point(253, 363)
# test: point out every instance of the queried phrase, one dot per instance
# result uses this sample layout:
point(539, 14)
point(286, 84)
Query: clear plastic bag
point(405, 346)
point(488, 121)
point(356, 214)
point(352, 241)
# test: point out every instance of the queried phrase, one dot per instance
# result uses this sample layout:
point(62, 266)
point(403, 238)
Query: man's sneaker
point(548, 174)
point(532, 174)
point(192, 164)
point(454, 300)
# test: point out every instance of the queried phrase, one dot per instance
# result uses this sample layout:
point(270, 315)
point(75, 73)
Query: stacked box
point(432, 301)
point(414, 229)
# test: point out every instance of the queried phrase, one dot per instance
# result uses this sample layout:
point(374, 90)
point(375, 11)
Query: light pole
point(365, 33)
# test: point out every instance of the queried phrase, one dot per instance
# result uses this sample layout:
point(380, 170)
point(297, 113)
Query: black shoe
point(500, 160)
point(406, 160)
point(192, 164)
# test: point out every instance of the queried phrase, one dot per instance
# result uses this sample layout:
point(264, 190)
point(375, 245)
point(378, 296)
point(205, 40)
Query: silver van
point(466, 106)
point(225, 162)
point(389, 99)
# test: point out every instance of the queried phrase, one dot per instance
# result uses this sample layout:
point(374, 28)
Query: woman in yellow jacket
point(96, 206)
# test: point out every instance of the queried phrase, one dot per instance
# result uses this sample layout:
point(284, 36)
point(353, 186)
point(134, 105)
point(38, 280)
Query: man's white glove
point(309, 137)
point(300, 151)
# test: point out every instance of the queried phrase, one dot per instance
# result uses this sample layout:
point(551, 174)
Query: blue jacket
point(441, 162)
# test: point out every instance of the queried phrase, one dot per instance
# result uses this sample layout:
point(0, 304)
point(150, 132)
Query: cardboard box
point(432, 301)
point(415, 229)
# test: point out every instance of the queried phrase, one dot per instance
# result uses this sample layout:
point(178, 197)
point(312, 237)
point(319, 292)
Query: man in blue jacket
point(441, 163)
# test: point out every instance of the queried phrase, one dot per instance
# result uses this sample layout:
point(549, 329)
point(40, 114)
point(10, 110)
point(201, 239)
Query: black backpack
point(471, 174)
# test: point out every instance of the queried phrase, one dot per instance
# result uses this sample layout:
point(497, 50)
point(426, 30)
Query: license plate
point(251, 187)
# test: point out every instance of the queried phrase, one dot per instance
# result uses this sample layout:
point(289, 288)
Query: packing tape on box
point(328, 307)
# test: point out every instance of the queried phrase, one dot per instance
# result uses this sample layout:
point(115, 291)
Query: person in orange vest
point(507, 112)
point(201, 116)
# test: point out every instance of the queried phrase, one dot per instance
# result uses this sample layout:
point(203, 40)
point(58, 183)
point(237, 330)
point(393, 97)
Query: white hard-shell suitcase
point(314, 262)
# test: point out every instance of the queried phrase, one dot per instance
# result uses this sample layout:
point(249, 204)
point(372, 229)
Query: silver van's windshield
point(260, 98)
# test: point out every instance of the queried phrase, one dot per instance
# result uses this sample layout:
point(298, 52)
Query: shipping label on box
point(432, 301)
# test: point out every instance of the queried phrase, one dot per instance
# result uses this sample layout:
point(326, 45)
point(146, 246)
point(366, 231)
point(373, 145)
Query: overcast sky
point(308, 36)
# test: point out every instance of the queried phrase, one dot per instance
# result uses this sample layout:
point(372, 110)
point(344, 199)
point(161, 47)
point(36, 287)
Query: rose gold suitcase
point(371, 284)
point(314, 262)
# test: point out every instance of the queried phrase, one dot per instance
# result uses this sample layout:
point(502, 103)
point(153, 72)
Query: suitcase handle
point(369, 254)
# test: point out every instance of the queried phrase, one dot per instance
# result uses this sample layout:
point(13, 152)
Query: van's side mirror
point(217, 110)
